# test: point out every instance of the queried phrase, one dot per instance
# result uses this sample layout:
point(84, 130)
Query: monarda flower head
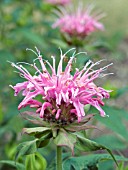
point(78, 23)
point(64, 94)
point(58, 2)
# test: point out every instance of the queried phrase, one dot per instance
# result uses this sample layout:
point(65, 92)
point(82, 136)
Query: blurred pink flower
point(80, 23)
point(64, 95)
point(58, 2)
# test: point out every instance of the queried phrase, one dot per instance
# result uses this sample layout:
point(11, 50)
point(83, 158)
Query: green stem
point(59, 158)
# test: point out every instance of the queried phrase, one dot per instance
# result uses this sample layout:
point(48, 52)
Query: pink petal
point(58, 113)
point(44, 106)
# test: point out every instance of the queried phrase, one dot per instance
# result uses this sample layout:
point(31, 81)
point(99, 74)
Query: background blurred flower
point(63, 93)
point(58, 2)
point(78, 23)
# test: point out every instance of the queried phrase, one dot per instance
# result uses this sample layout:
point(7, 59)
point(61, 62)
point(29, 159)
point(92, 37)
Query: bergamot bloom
point(78, 23)
point(64, 93)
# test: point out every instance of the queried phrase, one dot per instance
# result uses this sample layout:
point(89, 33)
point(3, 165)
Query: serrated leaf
point(65, 139)
point(26, 148)
point(89, 161)
point(85, 144)
point(17, 165)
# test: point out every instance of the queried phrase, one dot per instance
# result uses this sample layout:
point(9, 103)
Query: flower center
point(62, 115)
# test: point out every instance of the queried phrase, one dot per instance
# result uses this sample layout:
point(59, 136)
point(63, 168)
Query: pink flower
point(64, 94)
point(78, 24)
point(58, 2)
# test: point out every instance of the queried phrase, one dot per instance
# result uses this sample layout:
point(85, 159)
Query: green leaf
point(41, 162)
point(85, 144)
point(30, 162)
point(106, 165)
point(26, 148)
point(65, 139)
point(88, 162)
point(17, 165)
point(52, 165)
point(35, 161)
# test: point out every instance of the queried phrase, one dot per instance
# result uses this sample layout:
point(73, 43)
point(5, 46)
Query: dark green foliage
point(17, 165)
point(88, 162)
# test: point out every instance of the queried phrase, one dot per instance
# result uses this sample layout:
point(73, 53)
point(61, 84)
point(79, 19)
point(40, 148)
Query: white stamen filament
point(28, 49)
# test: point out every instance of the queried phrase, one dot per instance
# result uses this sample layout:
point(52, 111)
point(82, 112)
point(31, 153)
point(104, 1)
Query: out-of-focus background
point(116, 15)
point(26, 24)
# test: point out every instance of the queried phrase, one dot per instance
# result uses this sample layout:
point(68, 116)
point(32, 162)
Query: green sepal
point(43, 143)
point(37, 131)
point(76, 128)
point(34, 118)
point(54, 131)
point(82, 125)
point(64, 138)
point(44, 140)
